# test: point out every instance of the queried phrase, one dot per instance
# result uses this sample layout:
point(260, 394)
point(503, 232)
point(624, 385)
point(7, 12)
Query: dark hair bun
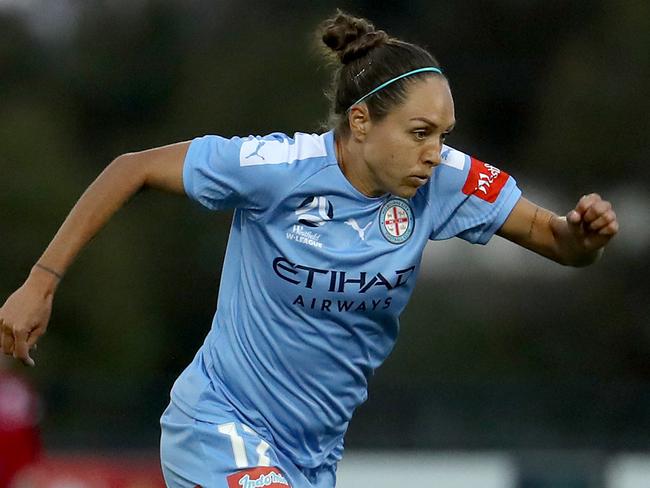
point(351, 37)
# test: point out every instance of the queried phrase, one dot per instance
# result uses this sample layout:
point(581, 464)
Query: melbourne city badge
point(396, 220)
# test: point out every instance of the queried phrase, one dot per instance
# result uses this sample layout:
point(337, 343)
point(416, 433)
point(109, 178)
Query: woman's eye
point(420, 135)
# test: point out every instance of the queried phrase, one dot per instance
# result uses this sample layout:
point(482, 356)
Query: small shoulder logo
point(396, 220)
point(360, 230)
point(315, 211)
point(451, 157)
point(256, 152)
point(269, 477)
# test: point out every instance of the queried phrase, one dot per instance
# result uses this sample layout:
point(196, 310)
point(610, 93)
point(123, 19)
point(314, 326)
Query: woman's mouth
point(418, 180)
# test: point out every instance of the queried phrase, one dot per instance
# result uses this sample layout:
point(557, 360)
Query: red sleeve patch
point(484, 181)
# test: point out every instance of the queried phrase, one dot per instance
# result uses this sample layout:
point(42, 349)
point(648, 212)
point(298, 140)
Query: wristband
point(49, 270)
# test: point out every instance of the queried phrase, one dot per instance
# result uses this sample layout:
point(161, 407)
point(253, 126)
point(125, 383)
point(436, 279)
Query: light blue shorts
point(228, 454)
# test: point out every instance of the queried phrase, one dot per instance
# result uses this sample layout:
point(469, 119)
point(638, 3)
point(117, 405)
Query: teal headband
point(393, 80)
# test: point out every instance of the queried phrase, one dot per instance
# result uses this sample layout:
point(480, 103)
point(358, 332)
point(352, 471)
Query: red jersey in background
point(19, 438)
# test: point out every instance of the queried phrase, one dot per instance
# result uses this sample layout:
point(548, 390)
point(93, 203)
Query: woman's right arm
point(25, 314)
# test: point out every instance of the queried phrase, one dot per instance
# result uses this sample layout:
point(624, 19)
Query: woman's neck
point(353, 166)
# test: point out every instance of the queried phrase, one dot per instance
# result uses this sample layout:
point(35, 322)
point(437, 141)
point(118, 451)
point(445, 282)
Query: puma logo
point(257, 150)
point(361, 231)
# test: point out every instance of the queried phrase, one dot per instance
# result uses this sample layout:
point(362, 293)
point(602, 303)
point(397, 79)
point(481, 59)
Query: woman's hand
point(576, 240)
point(592, 223)
point(25, 315)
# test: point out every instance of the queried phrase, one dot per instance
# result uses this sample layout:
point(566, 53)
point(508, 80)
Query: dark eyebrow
point(433, 124)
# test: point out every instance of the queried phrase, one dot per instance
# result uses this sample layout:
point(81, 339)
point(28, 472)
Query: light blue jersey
point(315, 277)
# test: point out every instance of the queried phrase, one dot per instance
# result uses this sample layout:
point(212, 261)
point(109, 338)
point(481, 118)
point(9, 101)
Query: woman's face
point(401, 150)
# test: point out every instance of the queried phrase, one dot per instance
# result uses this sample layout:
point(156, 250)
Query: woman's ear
point(359, 120)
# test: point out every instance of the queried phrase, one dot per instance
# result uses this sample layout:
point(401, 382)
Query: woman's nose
point(431, 155)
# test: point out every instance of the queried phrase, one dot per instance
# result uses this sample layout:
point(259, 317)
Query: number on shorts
point(262, 447)
point(239, 449)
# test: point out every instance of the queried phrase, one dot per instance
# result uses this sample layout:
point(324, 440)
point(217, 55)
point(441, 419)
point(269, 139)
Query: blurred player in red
point(19, 437)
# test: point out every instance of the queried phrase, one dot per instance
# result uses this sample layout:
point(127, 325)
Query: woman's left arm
point(578, 239)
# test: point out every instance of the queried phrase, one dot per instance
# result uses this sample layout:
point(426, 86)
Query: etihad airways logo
point(339, 281)
point(355, 288)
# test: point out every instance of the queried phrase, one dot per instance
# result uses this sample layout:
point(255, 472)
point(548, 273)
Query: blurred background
point(510, 371)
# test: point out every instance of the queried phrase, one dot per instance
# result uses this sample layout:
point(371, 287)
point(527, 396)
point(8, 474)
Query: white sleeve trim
point(452, 157)
point(259, 151)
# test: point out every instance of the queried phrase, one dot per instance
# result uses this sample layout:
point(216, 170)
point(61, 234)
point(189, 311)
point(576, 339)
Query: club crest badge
point(396, 220)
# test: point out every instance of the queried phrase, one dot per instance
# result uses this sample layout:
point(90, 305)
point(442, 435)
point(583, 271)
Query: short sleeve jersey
point(315, 277)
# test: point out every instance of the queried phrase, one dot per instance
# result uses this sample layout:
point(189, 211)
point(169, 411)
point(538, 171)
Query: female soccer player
point(325, 246)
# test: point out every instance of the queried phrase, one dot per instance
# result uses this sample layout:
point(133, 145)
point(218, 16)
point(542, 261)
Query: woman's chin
point(405, 192)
